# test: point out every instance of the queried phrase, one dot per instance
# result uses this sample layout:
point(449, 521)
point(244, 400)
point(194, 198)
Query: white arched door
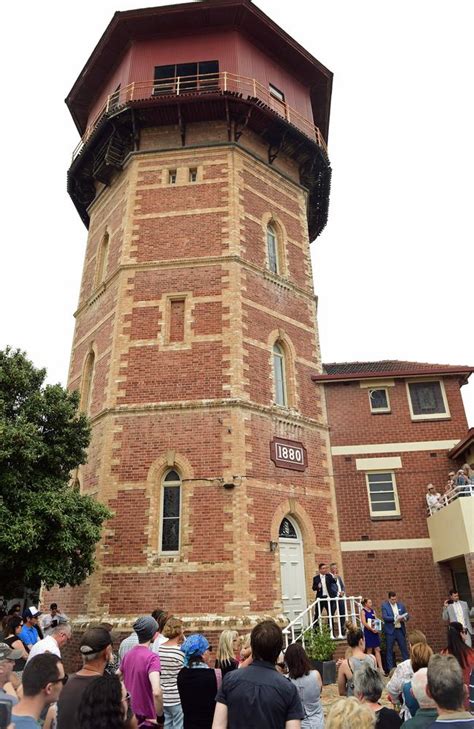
point(293, 587)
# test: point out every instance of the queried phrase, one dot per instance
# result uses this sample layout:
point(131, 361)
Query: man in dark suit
point(394, 616)
point(340, 592)
point(325, 586)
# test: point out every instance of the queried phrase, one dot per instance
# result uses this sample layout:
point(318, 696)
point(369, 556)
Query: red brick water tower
point(202, 176)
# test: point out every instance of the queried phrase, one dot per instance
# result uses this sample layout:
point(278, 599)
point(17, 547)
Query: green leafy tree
point(48, 530)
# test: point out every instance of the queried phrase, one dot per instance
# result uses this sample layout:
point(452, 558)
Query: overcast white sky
point(394, 267)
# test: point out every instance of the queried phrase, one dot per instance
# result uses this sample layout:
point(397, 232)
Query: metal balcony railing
point(305, 621)
point(216, 83)
point(447, 498)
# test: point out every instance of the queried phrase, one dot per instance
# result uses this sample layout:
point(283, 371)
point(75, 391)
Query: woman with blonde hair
point(228, 648)
point(245, 652)
point(349, 714)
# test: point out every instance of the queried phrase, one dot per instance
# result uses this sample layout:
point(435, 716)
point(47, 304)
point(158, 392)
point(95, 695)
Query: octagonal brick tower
point(202, 176)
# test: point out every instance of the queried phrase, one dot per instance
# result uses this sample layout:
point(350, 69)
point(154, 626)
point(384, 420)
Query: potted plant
point(320, 648)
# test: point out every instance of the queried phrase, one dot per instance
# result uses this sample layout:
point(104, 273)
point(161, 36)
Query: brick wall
point(372, 571)
point(190, 387)
point(419, 583)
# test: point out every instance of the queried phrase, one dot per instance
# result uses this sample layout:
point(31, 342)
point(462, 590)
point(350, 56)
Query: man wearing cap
point(132, 640)
point(53, 642)
point(140, 668)
point(29, 634)
point(96, 652)
point(8, 656)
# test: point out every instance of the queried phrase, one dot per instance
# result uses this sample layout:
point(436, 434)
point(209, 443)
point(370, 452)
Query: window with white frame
point(272, 249)
point(279, 374)
point(427, 399)
point(379, 400)
point(170, 512)
point(383, 496)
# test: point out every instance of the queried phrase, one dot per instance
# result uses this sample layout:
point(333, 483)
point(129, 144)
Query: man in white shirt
point(325, 587)
point(394, 616)
point(457, 611)
point(53, 642)
point(51, 620)
point(341, 591)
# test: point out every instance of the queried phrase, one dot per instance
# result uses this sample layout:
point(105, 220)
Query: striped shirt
point(172, 659)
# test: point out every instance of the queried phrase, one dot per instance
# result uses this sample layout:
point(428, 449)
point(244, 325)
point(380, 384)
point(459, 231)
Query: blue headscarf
point(195, 645)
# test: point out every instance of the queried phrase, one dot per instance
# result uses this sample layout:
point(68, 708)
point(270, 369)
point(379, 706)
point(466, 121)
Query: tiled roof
point(462, 445)
point(387, 367)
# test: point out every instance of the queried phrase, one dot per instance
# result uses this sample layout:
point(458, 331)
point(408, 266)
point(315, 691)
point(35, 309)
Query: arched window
point(279, 374)
point(170, 512)
point(86, 386)
point(272, 249)
point(287, 530)
point(101, 263)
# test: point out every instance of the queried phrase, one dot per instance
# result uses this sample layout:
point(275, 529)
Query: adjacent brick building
point(202, 176)
point(395, 427)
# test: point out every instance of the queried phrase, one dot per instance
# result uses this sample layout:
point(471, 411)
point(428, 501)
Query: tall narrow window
point(171, 512)
point(101, 263)
point(177, 310)
point(279, 374)
point(383, 497)
point(86, 385)
point(272, 248)
point(172, 177)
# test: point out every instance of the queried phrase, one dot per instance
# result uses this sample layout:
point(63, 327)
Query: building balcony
point(183, 88)
point(450, 525)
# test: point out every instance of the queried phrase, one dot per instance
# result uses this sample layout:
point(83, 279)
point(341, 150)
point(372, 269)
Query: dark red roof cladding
point(462, 445)
point(191, 18)
point(337, 371)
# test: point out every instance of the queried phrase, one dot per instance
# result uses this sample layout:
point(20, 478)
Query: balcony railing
point(306, 620)
point(216, 83)
point(456, 492)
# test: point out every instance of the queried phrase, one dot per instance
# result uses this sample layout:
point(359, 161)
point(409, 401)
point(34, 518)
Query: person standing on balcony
point(394, 616)
point(457, 611)
point(433, 499)
point(325, 587)
point(341, 592)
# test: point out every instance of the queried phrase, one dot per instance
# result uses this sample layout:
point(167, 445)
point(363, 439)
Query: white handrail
point(455, 493)
point(308, 618)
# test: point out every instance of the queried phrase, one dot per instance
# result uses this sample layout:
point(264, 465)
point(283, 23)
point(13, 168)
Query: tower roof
point(190, 18)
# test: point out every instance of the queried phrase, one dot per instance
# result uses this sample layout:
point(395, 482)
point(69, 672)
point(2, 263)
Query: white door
point(292, 569)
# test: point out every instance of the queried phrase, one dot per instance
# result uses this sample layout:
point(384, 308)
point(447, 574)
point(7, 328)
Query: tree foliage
point(48, 530)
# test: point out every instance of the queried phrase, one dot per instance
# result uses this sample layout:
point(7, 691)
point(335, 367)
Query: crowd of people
point(459, 483)
point(157, 676)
